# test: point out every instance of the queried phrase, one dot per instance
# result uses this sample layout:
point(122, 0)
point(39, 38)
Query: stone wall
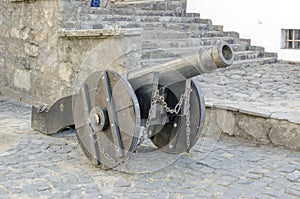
point(171, 5)
point(27, 42)
point(42, 52)
point(83, 52)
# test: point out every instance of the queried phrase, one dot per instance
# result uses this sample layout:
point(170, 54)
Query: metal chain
point(106, 155)
point(160, 99)
point(145, 130)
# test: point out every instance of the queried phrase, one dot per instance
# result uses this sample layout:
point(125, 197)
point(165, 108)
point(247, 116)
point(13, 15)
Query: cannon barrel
point(205, 61)
point(172, 74)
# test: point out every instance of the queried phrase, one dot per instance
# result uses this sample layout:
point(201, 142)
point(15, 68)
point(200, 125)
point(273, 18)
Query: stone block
point(165, 35)
point(285, 133)
point(40, 36)
point(31, 50)
point(256, 127)
point(22, 79)
point(24, 34)
point(14, 33)
point(49, 88)
point(24, 62)
point(5, 32)
point(226, 121)
point(2, 63)
point(211, 128)
point(65, 71)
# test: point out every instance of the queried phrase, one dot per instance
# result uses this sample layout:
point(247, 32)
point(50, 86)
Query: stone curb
point(257, 126)
point(259, 112)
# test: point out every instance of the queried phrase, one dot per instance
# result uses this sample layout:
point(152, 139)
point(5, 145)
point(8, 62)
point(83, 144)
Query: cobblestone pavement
point(33, 165)
point(270, 90)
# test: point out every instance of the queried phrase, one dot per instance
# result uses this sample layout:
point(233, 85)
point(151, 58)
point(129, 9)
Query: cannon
point(113, 113)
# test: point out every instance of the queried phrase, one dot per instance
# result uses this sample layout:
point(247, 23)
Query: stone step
point(183, 43)
point(133, 11)
point(240, 51)
point(175, 46)
point(164, 53)
point(177, 26)
point(178, 6)
point(240, 47)
point(257, 61)
point(231, 34)
point(270, 54)
point(246, 41)
point(153, 26)
point(162, 35)
point(245, 55)
point(209, 33)
point(257, 48)
point(97, 18)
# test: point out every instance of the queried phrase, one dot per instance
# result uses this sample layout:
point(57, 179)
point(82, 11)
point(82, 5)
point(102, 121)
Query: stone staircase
point(171, 33)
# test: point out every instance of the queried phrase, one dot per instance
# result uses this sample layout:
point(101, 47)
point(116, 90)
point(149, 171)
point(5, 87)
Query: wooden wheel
point(107, 119)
